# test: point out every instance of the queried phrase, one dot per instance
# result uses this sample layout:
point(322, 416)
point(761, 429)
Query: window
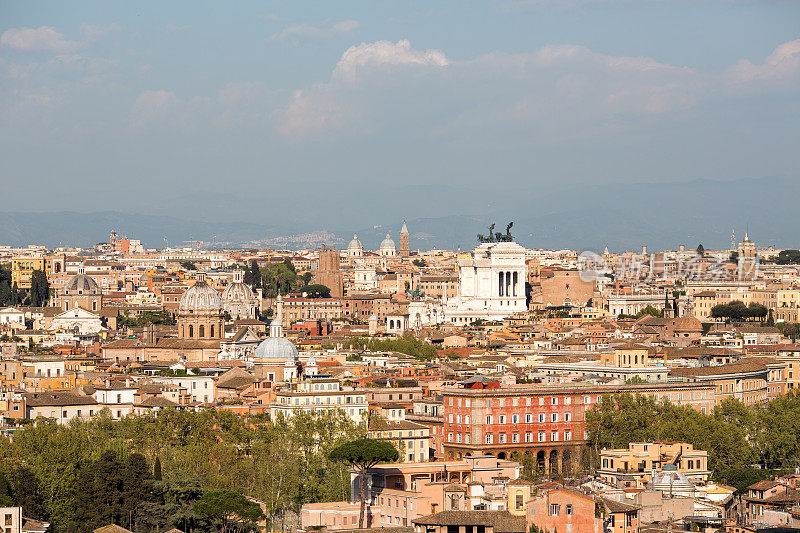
point(514, 419)
point(528, 418)
point(515, 437)
point(541, 436)
point(489, 438)
point(555, 509)
point(501, 419)
point(554, 417)
point(554, 436)
point(568, 509)
point(567, 435)
point(449, 437)
point(529, 437)
point(541, 418)
point(502, 438)
point(554, 401)
point(519, 501)
point(458, 437)
point(466, 419)
point(567, 417)
point(450, 418)
point(488, 420)
point(541, 401)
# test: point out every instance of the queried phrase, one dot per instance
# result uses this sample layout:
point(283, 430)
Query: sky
point(123, 105)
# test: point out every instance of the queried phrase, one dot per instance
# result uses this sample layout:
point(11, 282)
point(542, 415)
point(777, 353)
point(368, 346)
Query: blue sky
point(271, 100)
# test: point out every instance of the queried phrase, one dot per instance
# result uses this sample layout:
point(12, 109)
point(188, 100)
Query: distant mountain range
point(660, 215)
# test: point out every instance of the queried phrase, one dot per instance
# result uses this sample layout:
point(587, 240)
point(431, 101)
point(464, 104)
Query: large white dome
point(672, 481)
point(355, 244)
point(200, 298)
point(387, 243)
point(238, 292)
point(276, 348)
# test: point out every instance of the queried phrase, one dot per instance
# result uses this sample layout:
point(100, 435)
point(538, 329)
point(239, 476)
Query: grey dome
point(671, 481)
point(237, 292)
point(355, 244)
point(276, 348)
point(387, 242)
point(200, 298)
point(81, 284)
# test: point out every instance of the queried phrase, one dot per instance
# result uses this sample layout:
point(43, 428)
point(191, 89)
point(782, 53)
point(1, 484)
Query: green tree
point(229, 510)
point(788, 257)
point(14, 294)
point(649, 310)
point(317, 291)
point(188, 265)
point(701, 251)
point(363, 454)
point(40, 288)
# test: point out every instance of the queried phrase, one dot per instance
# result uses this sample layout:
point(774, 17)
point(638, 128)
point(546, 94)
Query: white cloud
point(382, 53)
point(41, 39)
point(781, 65)
point(306, 31)
point(151, 105)
point(309, 114)
point(94, 32)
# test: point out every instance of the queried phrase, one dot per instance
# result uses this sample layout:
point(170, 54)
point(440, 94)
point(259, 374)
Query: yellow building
point(22, 268)
point(634, 466)
point(788, 304)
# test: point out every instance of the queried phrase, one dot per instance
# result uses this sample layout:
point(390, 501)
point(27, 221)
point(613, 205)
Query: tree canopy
point(40, 288)
point(90, 471)
point(737, 310)
point(735, 435)
point(788, 257)
point(363, 454)
point(407, 344)
point(317, 291)
point(228, 510)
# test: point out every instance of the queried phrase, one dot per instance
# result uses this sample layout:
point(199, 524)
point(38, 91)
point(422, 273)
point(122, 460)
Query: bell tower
point(404, 242)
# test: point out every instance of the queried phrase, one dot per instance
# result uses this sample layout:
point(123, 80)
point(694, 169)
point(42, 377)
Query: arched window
point(501, 285)
point(201, 331)
point(191, 331)
point(212, 331)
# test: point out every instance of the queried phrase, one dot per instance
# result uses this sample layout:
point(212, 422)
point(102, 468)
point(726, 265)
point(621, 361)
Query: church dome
point(387, 243)
point(355, 244)
point(687, 323)
point(237, 292)
point(200, 298)
point(670, 480)
point(81, 284)
point(276, 348)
